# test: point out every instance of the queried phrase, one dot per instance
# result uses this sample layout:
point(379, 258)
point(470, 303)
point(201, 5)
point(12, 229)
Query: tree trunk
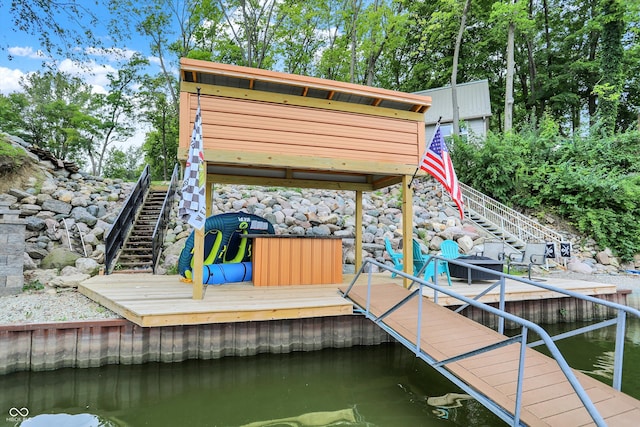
point(508, 93)
point(454, 70)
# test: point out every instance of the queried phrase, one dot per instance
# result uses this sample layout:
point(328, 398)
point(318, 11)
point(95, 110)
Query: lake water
point(381, 385)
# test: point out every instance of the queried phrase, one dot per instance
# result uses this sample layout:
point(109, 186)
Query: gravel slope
point(42, 306)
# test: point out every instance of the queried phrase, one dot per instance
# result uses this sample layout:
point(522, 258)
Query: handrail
point(163, 219)
point(66, 227)
point(510, 220)
point(526, 325)
point(117, 233)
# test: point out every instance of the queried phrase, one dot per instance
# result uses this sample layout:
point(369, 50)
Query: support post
point(407, 228)
point(198, 263)
point(209, 192)
point(358, 233)
point(198, 244)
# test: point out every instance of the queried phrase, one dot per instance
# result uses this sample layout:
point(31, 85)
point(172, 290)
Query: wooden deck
point(548, 398)
point(150, 300)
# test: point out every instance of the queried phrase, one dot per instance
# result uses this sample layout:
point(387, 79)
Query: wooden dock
point(150, 300)
point(548, 398)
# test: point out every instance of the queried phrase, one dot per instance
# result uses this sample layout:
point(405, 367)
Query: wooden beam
point(285, 79)
point(209, 195)
point(197, 272)
point(407, 228)
point(386, 182)
point(303, 101)
point(288, 182)
point(358, 233)
point(312, 164)
point(198, 264)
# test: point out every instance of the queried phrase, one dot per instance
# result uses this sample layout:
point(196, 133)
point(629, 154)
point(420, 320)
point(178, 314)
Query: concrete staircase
point(137, 251)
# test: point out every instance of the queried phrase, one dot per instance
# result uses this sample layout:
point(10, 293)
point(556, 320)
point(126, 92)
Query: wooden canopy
point(275, 129)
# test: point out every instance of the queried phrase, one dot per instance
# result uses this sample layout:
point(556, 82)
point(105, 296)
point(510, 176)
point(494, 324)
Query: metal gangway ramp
point(516, 382)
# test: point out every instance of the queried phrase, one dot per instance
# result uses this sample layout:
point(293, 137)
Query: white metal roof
point(473, 102)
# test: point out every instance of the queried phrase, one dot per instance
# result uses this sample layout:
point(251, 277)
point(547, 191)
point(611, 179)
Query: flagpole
point(418, 167)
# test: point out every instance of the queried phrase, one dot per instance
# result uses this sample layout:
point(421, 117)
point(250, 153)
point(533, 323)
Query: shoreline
point(50, 306)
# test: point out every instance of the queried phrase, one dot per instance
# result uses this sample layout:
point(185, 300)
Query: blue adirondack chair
point(450, 250)
point(396, 257)
point(420, 259)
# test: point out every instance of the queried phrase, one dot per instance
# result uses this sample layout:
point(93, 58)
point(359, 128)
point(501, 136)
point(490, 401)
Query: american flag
point(192, 207)
point(437, 162)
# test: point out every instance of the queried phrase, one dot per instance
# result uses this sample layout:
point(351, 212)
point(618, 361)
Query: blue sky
point(27, 56)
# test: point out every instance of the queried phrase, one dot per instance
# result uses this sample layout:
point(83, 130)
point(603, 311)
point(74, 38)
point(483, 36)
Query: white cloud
point(91, 72)
point(26, 52)
point(10, 80)
point(111, 54)
point(154, 60)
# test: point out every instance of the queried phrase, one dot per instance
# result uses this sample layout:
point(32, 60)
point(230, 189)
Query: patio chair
point(449, 250)
point(420, 259)
point(534, 254)
point(396, 257)
point(493, 249)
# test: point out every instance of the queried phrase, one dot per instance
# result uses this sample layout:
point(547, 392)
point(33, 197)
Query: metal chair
point(420, 259)
point(493, 249)
point(396, 257)
point(534, 254)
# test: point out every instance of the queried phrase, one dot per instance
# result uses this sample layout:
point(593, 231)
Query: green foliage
point(33, 286)
point(592, 181)
point(126, 165)
point(11, 158)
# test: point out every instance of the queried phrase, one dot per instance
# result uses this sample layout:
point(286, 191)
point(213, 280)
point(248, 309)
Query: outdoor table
point(470, 274)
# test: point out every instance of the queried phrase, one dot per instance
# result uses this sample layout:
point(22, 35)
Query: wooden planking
point(272, 128)
point(548, 398)
point(285, 116)
point(517, 291)
point(300, 81)
point(149, 300)
point(286, 261)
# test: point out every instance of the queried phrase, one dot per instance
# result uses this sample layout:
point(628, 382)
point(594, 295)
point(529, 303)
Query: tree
point(454, 72)
point(42, 18)
point(611, 60)
point(114, 112)
point(11, 118)
point(161, 144)
point(124, 164)
point(57, 115)
point(157, 20)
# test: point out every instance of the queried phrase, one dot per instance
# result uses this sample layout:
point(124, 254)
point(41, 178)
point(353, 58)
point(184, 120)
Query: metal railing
point(163, 219)
point(118, 232)
point(525, 325)
point(511, 221)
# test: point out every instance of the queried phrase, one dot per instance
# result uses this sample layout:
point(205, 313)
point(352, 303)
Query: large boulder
point(59, 258)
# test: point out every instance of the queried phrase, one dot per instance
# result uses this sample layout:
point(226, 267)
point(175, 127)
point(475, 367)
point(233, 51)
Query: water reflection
point(349, 387)
point(383, 385)
point(67, 420)
point(593, 353)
